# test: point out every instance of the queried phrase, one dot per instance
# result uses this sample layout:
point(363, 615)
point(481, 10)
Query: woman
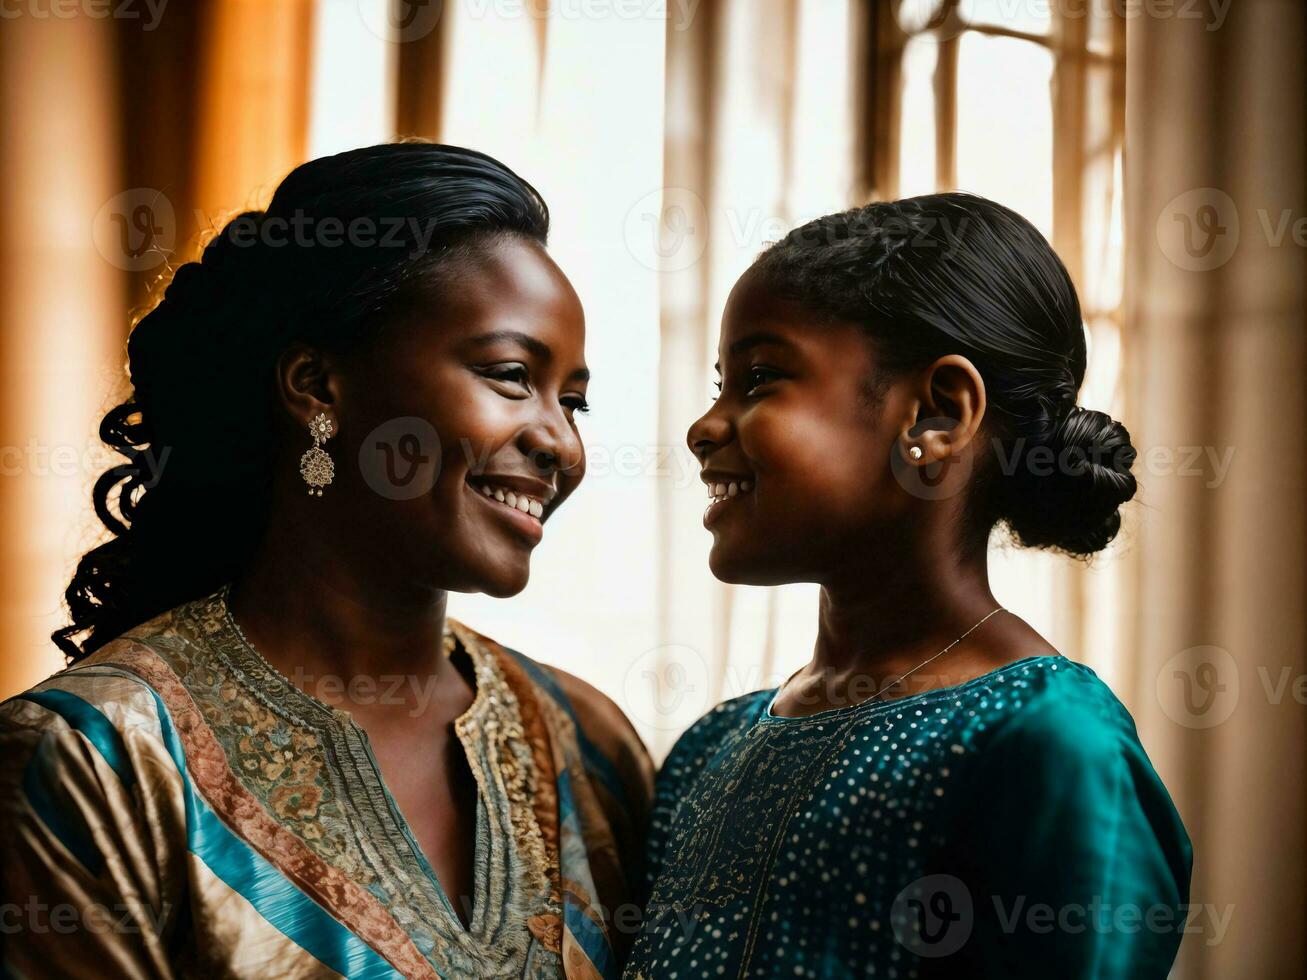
point(937, 792)
point(273, 753)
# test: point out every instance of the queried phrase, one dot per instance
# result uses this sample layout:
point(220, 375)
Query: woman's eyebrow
point(532, 345)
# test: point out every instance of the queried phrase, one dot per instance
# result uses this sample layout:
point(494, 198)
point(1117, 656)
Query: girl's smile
point(794, 461)
point(723, 487)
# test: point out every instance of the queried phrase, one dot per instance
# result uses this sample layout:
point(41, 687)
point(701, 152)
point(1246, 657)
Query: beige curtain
point(119, 143)
point(760, 101)
point(1214, 165)
point(62, 301)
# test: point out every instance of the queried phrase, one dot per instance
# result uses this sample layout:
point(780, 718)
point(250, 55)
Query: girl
point(274, 754)
point(937, 792)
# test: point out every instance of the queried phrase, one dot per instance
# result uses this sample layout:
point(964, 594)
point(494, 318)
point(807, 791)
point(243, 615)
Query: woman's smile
point(521, 508)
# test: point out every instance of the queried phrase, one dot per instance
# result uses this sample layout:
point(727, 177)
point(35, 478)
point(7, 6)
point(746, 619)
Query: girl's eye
point(759, 375)
point(577, 404)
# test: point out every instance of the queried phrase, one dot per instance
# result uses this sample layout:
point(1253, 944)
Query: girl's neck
point(885, 621)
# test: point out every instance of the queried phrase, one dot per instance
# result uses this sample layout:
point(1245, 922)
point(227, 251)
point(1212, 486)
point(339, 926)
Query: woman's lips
point(527, 526)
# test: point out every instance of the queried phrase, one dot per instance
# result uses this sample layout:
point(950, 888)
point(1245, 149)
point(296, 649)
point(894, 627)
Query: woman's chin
point(506, 584)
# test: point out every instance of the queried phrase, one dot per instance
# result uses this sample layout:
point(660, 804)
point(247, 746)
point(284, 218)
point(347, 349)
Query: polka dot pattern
point(780, 845)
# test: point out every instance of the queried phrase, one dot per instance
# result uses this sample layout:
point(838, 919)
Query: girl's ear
point(951, 406)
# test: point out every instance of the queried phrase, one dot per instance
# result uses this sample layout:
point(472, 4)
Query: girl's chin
point(730, 566)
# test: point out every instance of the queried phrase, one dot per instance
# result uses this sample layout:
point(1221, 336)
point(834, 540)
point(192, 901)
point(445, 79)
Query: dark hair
point(345, 242)
point(956, 273)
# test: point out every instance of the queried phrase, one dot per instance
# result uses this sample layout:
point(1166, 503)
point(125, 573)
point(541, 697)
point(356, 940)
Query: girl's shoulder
point(703, 738)
point(1051, 705)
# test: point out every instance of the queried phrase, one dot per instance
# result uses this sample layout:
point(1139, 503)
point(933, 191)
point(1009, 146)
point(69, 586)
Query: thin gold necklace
point(897, 680)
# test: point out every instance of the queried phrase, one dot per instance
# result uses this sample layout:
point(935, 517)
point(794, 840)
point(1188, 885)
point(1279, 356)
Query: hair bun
point(1067, 490)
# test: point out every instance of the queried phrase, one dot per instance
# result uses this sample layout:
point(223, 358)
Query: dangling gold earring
point(315, 465)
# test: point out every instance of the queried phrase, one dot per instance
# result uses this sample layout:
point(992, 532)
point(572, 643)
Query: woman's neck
point(315, 616)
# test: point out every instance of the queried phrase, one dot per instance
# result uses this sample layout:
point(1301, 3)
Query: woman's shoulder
point(123, 685)
point(94, 715)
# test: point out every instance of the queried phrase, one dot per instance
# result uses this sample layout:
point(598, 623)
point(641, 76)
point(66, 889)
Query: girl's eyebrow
point(531, 344)
point(752, 340)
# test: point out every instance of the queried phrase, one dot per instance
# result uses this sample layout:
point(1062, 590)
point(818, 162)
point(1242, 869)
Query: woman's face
point(463, 419)
point(794, 429)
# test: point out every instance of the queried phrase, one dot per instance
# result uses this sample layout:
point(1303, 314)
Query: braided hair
point(344, 243)
point(957, 273)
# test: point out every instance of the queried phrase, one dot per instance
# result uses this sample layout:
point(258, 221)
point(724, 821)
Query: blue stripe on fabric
point(40, 778)
point(84, 717)
point(593, 940)
point(595, 761)
point(273, 896)
point(62, 820)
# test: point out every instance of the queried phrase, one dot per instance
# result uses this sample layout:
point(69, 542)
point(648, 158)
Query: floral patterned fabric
point(232, 825)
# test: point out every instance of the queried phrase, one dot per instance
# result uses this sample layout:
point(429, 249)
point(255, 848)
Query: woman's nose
point(552, 444)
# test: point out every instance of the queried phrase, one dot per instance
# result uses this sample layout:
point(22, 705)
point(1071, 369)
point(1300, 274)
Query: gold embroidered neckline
point(269, 680)
point(497, 751)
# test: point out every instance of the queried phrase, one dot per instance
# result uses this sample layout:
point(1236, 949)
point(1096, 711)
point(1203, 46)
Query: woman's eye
point(511, 373)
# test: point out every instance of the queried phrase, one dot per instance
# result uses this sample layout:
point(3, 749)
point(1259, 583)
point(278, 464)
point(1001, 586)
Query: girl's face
point(463, 420)
point(793, 429)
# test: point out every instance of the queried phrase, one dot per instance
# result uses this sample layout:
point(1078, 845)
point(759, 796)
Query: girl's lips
point(527, 526)
point(719, 507)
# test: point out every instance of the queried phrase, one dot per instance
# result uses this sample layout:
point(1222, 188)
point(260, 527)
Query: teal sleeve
point(1074, 856)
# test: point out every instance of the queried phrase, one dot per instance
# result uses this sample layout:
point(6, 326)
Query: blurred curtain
point(1215, 298)
point(123, 138)
point(759, 137)
point(62, 309)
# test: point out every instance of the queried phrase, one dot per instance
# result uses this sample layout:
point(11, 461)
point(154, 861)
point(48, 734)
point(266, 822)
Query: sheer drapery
point(124, 137)
point(1214, 358)
point(674, 141)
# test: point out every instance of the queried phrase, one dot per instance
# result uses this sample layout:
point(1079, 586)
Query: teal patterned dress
point(1011, 826)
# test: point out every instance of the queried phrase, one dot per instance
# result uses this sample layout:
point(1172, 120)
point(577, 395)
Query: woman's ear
point(951, 405)
point(306, 383)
